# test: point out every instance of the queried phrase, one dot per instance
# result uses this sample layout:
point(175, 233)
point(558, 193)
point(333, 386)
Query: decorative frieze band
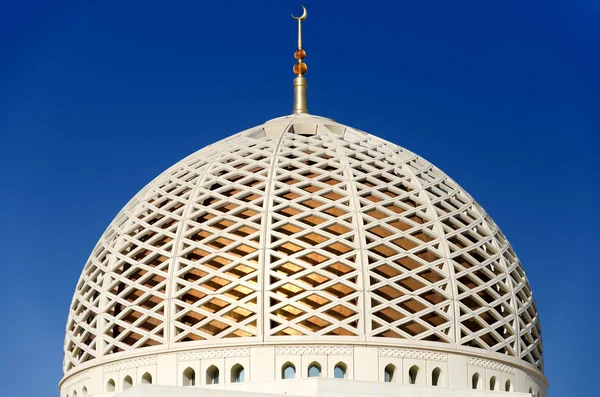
point(217, 353)
point(77, 378)
point(481, 362)
point(292, 350)
point(134, 363)
point(532, 377)
point(408, 353)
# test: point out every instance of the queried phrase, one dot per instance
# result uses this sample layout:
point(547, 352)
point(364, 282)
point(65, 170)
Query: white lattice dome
point(301, 232)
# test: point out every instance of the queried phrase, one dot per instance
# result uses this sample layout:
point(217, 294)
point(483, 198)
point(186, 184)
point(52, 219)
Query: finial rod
point(300, 85)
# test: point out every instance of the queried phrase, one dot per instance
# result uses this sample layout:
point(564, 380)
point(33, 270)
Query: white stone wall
point(264, 365)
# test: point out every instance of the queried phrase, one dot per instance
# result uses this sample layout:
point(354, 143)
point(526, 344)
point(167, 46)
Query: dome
point(297, 233)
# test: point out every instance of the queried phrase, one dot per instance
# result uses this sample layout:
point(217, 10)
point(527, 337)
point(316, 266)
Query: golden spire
point(300, 100)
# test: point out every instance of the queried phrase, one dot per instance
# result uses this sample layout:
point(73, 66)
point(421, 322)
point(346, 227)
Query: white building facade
point(303, 257)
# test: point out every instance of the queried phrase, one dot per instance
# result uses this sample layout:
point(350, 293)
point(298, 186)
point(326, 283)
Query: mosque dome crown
point(308, 231)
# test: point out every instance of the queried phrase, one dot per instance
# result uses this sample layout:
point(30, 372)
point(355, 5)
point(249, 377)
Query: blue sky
point(98, 98)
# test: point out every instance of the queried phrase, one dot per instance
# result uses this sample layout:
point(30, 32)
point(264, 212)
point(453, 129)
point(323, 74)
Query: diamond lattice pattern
point(302, 228)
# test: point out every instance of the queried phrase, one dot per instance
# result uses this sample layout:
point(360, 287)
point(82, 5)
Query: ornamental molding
point(134, 363)
point(481, 362)
point(408, 353)
point(294, 350)
point(76, 379)
point(532, 377)
point(220, 353)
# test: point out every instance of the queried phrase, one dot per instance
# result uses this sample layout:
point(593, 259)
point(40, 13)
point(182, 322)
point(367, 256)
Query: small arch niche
point(339, 371)
point(127, 382)
point(436, 377)
point(189, 377)
point(388, 373)
point(84, 392)
point(212, 375)
point(413, 372)
point(110, 385)
point(314, 370)
point(476, 381)
point(74, 394)
point(238, 373)
point(147, 379)
point(288, 371)
point(493, 383)
point(530, 391)
point(508, 386)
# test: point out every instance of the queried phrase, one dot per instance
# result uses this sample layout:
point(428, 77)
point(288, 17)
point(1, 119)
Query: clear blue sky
point(97, 99)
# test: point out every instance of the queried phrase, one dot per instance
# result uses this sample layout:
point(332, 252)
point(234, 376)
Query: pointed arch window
point(127, 382)
point(314, 370)
point(388, 373)
point(288, 371)
point(435, 376)
point(237, 373)
point(475, 381)
point(413, 372)
point(147, 378)
point(212, 375)
point(339, 371)
point(189, 377)
point(493, 383)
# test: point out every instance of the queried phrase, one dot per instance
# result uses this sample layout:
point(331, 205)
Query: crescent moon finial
point(300, 100)
point(301, 17)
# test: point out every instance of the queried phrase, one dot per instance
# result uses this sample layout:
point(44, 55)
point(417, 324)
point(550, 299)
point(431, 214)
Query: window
point(531, 391)
point(212, 375)
point(84, 392)
point(314, 370)
point(74, 394)
point(110, 385)
point(147, 378)
point(475, 381)
point(127, 382)
point(435, 376)
point(493, 383)
point(189, 377)
point(388, 373)
point(508, 386)
point(288, 371)
point(237, 373)
point(412, 374)
point(339, 371)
